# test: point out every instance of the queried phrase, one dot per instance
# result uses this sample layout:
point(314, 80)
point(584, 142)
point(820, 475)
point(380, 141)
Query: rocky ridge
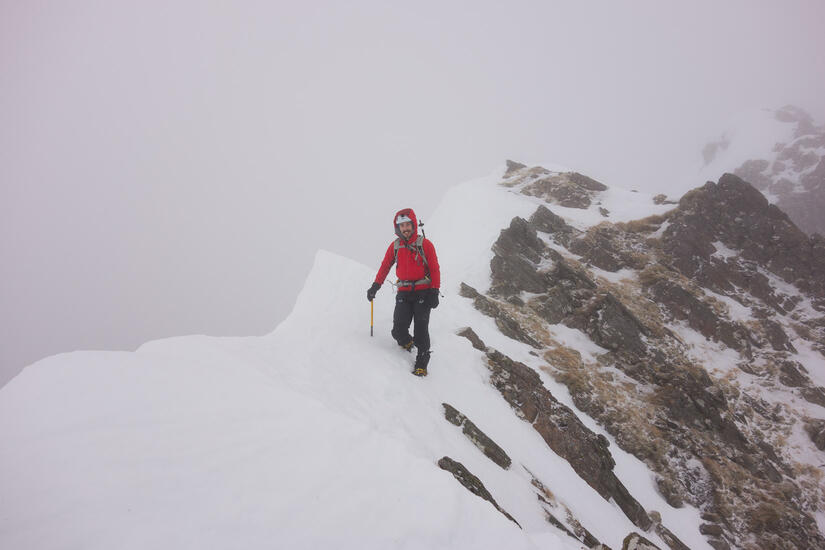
point(704, 316)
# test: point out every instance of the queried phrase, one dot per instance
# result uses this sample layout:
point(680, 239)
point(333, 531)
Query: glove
point(372, 290)
point(432, 299)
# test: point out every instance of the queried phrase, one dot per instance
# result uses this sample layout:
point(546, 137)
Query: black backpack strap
point(395, 246)
point(419, 245)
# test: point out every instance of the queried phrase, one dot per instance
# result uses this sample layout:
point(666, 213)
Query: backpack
point(418, 247)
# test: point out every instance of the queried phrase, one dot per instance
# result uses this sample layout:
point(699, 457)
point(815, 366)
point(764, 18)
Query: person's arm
point(432, 264)
point(386, 264)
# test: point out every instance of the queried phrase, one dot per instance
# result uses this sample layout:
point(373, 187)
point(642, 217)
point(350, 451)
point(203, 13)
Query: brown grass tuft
point(644, 225)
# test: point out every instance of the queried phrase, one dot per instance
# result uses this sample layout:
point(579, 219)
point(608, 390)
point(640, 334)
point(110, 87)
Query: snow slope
point(311, 437)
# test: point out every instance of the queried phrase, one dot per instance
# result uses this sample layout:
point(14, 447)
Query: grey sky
point(171, 167)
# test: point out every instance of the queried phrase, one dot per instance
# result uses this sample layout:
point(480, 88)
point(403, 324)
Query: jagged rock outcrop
point(610, 324)
point(635, 541)
point(505, 321)
point(516, 265)
point(563, 432)
point(569, 189)
point(544, 220)
point(683, 305)
point(607, 247)
point(573, 528)
point(666, 534)
point(816, 430)
point(478, 438)
point(513, 166)
point(471, 483)
point(734, 213)
point(724, 264)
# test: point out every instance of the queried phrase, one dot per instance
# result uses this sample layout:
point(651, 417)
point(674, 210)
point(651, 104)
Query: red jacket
point(410, 265)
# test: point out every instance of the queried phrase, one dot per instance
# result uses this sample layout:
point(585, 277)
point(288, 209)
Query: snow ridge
point(316, 435)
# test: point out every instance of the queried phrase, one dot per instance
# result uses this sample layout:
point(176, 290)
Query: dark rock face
point(513, 167)
point(474, 339)
point(669, 491)
point(515, 265)
point(554, 306)
point(816, 430)
point(506, 323)
point(683, 305)
point(670, 539)
point(635, 541)
point(790, 374)
point(607, 247)
point(732, 268)
point(586, 182)
point(710, 529)
point(563, 432)
point(471, 483)
point(610, 324)
point(574, 528)
point(718, 544)
point(546, 221)
point(597, 249)
point(481, 440)
point(552, 520)
point(815, 395)
point(776, 336)
point(736, 214)
point(560, 428)
point(570, 189)
point(520, 240)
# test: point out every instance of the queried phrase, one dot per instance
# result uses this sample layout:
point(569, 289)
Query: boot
point(408, 346)
point(421, 361)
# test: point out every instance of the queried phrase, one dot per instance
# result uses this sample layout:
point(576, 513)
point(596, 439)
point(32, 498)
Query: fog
point(170, 168)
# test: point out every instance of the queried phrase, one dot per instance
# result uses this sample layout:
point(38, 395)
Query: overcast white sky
point(171, 168)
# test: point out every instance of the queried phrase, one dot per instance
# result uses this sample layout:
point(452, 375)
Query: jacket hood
point(410, 214)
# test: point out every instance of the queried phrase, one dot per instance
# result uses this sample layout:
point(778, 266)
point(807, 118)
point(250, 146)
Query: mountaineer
point(418, 285)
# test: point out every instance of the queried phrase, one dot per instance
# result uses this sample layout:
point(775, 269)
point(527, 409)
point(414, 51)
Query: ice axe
point(371, 309)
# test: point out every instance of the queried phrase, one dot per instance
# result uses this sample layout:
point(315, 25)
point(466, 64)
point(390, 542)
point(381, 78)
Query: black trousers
point(409, 306)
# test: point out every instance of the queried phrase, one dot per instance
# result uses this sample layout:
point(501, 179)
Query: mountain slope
point(710, 322)
point(317, 435)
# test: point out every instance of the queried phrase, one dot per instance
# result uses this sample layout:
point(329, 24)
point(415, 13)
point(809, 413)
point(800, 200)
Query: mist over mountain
point(782, 153)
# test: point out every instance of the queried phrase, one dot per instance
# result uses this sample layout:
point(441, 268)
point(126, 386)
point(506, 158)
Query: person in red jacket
point(419, 279)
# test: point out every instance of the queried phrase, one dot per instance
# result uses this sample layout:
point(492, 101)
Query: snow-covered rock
point(724, 272)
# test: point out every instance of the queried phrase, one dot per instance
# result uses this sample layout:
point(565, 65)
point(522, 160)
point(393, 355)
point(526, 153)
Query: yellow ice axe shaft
point(371, 309)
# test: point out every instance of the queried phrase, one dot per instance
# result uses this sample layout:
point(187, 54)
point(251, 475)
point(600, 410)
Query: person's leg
point(401, 318)
point(421, 330)
point(421, 314)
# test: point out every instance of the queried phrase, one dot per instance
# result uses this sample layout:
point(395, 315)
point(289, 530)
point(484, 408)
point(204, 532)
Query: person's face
point(406, 229)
